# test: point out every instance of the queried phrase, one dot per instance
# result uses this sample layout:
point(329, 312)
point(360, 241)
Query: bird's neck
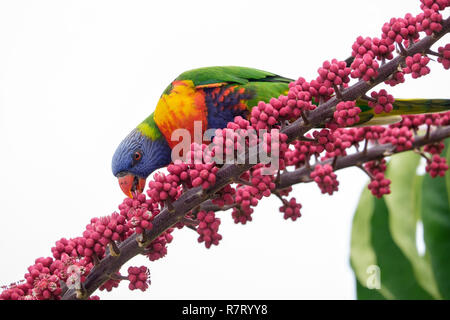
point(149, 128)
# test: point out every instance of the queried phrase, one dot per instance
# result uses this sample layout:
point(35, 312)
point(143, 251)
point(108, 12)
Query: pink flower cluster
point(264, 116)
point(325, 178)
point(73, 258)
point(398, 30)
point(158, 247)
point(342, 140)
point(396, 78)
point(417, 65)
point(138, 212)
point(111, 283)
point(429, 21)
point(162, 188)
point(434, 148)
point(378, 185)
point(291, 209)
point(365, 67)
point(370, 133)
point(444, 56)
point(334, 73)
point(139, 278)
point(402, 138)
point(383, 101)
point(376, 47)
point(437, 166)
point(245, 199)
point(208, 228)
point(347, 113)
point(299, 99)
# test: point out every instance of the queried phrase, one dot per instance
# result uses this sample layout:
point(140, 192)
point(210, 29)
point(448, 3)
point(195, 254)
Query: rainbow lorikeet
point(215, 96)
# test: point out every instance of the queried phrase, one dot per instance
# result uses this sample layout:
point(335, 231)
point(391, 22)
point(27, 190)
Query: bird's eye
point(137, 156)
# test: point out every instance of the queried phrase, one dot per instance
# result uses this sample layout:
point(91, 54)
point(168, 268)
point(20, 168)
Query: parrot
point(215, 96)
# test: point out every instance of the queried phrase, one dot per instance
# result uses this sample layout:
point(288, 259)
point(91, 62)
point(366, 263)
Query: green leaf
point(363, 293)
point(436, 224)
point(362, 254)
point(404, 214)
point(372, 243)
point(397, 274)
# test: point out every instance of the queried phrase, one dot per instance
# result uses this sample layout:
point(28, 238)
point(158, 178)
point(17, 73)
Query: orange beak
point(130, 184)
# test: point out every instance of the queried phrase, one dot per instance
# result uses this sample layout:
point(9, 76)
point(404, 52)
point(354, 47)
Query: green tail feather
point(401, 107)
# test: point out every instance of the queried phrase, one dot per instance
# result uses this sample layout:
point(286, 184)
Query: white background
point(77, 76)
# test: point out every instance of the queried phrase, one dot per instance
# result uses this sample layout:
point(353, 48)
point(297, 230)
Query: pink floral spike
point(139, 278)
point(347, 113)
point(325, 178)
point(434, 148)
point(396, 78)
point(264, 116)
point(291, 209)
point(157, 249)
point(437, 166)
point(383, 101)
point(111, 283)
point(444, 56)
point(417, 65)
point(334, 73)
point(203, 175)
point(208, 228)
point(310, 149)
point(379, 185)
point(435, 5)
point(376, 166)
point(365, 68)
point(402, 138)
point(429, 21)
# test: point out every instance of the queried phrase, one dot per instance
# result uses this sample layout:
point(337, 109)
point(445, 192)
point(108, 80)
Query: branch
point(229, 173)
point(301, 175)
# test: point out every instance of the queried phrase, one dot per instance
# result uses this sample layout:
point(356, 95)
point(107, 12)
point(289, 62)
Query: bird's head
point(137, 156)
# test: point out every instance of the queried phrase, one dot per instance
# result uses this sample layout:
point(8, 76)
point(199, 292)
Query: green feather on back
point(229, 74)
point(263, 84)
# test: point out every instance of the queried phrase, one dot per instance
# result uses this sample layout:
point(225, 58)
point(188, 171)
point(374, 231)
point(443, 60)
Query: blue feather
point(155, 154)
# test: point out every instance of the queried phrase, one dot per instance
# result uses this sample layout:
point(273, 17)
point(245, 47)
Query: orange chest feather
point(180, 109)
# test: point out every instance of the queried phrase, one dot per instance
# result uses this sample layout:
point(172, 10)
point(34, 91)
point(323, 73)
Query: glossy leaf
point(436, 224)
point(404, 213)
point(397, 274)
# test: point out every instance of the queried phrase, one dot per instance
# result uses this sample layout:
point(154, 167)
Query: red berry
point(429, 21)
point(157, 249)
point(444, 56)
point(325, 178)
point(379, 185)
point(208, 228)
point(402, 138)
point(365, 68)
point(383, 101)
point(291, 209)
point(417, 65)
point(437, 166)
point(139, 278)
point(347, 113)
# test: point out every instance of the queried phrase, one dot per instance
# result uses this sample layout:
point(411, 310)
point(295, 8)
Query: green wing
point(262, 85)
point(230, 75)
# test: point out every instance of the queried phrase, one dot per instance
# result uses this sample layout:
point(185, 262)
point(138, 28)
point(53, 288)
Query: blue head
point(136, 157)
